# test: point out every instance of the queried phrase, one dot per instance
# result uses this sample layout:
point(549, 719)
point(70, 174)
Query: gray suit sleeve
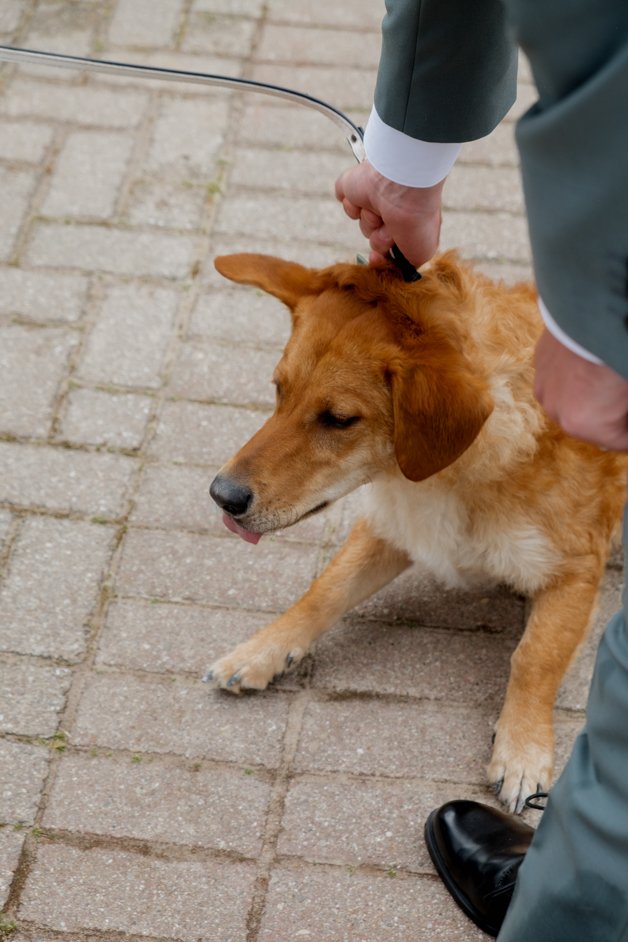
point(448, 68)
point(574, 157)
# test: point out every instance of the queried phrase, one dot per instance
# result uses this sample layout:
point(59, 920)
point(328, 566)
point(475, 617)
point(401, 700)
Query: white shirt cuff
point(564, 338)
point(404, 159)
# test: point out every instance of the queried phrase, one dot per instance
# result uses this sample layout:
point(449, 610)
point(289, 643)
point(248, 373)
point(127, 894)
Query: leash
point(354, 134)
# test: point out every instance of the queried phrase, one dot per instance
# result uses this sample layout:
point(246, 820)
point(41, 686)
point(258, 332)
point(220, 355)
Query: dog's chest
point(437, 529)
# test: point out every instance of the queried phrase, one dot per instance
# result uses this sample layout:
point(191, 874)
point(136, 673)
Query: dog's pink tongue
point(235, 527)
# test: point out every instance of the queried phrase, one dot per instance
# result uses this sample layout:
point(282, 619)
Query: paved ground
point(134, 801)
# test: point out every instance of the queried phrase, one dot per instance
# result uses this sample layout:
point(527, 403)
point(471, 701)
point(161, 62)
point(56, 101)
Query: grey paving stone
point(241, 316)
point(23, 769)
point(16, 187)
point(448, 665)
point(295, 171)
point(215, 34)
point(144, 22)
point(187, 137)
point(495, 150)
point(349, 88)
point(483, 188)
point(33, 361)
point(201, 434)
point(24, 140)
point(419, 599)
point(6, 519)
point(218, 571)
point(116, 251)
point(58, 29)
point(328, 905)
point(10, 849)
point(176, 496)
point(31, 698)
point(59, 479)
point(42, 296)
point(483, 235)
point(72, 890)
point(527, 96)
point(10, 15)
point(160, 637)
point(216, 373)
point(352, 822)
point(307, 44)
point(88, 174)
point(353, 14)
point(297, 218)
point(87, 104)
point(288, 127)
point(397, 739)
point(52, 586)
point(168, 204)
point(234, 7)
point(185, 719)
point(507, 272)
point(129, 341)
point(93, 417)
point(157, 801)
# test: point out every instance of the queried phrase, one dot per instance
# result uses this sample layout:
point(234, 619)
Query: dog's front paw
point(520, 766)
point(252, 666)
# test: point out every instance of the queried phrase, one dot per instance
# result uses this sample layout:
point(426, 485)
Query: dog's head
point(375, 377)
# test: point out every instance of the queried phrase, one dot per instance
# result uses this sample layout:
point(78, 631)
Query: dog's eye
point(329, 420)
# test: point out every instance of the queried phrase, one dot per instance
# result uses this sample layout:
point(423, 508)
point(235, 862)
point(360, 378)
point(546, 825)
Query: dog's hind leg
point(523, 752)
point(363, 566)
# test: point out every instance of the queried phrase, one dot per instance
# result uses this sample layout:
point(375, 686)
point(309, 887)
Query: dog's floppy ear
point(287, 281)
point(439, 407)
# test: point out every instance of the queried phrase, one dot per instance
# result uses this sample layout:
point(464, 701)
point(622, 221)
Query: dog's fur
point(433, 383)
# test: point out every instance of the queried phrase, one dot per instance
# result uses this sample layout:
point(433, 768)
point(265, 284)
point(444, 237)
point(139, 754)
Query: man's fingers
point(352, 211)
point(380, 240)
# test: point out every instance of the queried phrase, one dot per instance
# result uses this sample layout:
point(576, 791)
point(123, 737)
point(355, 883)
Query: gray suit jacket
point(447, 73)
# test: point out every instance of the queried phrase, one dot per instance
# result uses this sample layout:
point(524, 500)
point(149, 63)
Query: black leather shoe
point(477, 851)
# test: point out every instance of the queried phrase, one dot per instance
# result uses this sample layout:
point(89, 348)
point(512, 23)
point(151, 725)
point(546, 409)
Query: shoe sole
point(461, 899)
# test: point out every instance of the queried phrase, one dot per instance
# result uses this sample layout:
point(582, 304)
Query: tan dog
point(425, 391)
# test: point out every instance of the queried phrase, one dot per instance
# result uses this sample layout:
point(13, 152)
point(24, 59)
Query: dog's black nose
point(230, 495)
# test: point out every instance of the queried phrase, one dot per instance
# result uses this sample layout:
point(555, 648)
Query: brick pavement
point(135, 802)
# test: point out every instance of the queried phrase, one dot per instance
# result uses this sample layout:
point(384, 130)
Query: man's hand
point(589, 401)
point(392, 214)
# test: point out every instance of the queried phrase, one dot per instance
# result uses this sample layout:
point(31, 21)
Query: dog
point(425, 392)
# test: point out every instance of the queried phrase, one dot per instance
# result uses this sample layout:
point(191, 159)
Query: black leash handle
point(407, 269)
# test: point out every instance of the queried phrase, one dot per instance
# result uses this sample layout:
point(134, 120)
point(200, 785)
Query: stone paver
point(70, 889)
point(52, 587)
point(32, 365)
point(136, 802)
point(94, 417)
point(154, 801)
point(31, 698)
point(23, 768)
point(64, 480)
point(182, 718)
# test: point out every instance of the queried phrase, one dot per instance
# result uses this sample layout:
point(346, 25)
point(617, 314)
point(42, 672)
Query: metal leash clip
point(353, 133)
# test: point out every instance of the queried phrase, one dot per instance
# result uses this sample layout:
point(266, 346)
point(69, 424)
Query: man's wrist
point(404, 159)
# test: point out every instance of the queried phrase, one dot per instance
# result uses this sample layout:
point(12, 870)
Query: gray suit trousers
point(573, 884)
